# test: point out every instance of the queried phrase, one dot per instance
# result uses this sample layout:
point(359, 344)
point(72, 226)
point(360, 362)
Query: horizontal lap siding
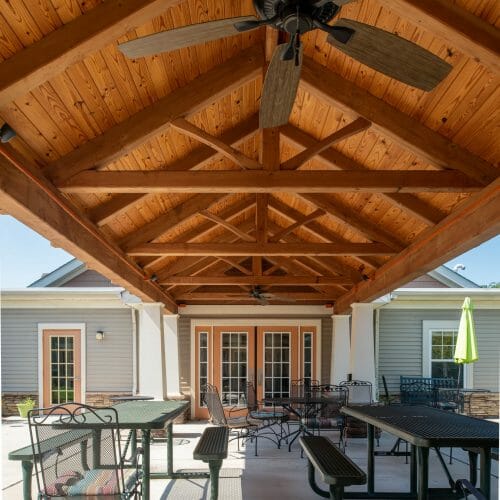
point(400, 344)
point(109, 362)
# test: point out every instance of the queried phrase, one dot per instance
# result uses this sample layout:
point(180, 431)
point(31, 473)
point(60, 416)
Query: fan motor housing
point(295, 15)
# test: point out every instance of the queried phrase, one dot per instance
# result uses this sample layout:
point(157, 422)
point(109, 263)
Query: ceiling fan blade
point(392, 55)
point(280, 88)
point(179, 38)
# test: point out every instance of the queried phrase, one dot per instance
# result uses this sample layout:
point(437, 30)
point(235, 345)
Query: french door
point(61, 366)
point(270, 357)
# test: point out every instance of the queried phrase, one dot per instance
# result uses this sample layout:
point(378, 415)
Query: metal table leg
point(170, 449)
point(413, 469)
point(146, 442)
point(27, 466)
point(423, 473)
point(484, 473)
point(371, 459)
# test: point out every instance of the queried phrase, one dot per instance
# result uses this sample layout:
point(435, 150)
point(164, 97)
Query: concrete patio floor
point(274, 474)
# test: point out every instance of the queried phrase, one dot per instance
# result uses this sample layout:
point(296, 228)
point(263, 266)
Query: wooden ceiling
point(155, 173)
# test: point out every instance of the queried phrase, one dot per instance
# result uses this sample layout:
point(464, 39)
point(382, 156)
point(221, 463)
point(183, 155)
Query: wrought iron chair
point(359, 392)
point(244, 426)
point(78, 450)
point(328, 416)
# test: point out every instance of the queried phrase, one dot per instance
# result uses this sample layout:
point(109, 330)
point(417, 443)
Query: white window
point(439, 340)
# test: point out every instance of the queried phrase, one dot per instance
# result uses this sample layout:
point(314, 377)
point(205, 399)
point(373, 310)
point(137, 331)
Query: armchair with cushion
point(79, 453)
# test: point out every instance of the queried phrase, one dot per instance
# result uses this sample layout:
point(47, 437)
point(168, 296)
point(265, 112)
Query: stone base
point(10, 400)
point(482, 404)
point(103, 398)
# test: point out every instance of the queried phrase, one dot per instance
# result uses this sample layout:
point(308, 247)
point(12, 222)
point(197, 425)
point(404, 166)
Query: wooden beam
point(169, 220)
point(343, 94)
point(463, 30)
point(231, 296)
point(300, 222)
point(353, 128)
point(256, 280)
point(186, 128)
point(476, 220)
point(246, 249)
point(261, 181)
point(227, 225)
point(347, 216)
point(338, 161)
point(155, 119)
point(29, 197)
point(195, 160)
point(234, 263)
point(88, 33)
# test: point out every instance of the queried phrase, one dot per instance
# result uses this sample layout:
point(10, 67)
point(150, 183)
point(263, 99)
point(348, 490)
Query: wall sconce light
point(99, 335)
point(6, 133)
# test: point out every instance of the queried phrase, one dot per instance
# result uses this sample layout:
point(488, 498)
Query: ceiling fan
point(381, 50)
point(263, 297)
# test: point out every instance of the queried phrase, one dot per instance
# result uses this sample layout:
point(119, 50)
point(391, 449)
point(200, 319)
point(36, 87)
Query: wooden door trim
point(83, 355)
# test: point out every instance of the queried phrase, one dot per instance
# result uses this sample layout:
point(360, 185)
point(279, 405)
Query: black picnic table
point(424, 428)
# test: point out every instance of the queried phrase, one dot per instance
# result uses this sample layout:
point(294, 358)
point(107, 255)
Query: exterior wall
point(425, 281)
point(109, 362)
point(88, 278)
point(326, 349)
point(400, 344)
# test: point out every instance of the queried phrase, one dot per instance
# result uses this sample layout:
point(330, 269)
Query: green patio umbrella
point(466, 347)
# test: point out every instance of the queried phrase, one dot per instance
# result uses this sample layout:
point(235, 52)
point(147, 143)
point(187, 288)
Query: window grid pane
point(307, 353)
point(276, 364)
point(442, 349)
point(234, 368)
point(61, 370)
point(203, 361)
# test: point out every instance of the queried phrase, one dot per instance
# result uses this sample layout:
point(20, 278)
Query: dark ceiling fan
point(262, 297)
point(381, 50)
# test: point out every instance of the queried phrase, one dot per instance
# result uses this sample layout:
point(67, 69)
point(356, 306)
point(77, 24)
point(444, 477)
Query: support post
point(151, 367)
point(170, 324)
point(341, 348)
point(363, 344)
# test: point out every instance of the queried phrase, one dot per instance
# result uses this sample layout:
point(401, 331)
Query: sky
point(25, 256)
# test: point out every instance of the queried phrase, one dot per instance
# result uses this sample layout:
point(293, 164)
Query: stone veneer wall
point(483, 405)
point(10, 399)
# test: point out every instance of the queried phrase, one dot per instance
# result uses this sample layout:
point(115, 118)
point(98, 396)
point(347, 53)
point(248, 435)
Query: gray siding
point(425, 281)
point(88, 278)
point(109, 363)
point(400, 344)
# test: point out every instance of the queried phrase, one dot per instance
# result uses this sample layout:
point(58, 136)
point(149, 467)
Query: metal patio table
point(134, 415)
point(312, 406)
point(424, 427)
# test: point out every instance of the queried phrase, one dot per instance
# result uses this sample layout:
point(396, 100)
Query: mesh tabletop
point(426, 426)
point(142, 414)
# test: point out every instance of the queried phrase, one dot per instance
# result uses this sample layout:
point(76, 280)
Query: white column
point(341, 349)
point(363, 344)
point(170, 322)
point(150, 346)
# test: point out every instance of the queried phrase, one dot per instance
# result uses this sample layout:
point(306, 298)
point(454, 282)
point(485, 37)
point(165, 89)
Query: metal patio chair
point(78, 450)
point(243, 426)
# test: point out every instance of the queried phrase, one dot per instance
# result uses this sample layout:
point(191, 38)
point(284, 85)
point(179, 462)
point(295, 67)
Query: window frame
point(427, 328)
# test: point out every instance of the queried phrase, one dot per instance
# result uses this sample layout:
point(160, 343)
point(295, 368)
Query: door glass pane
point(277, 364)
point(61, 369)
point(234, 368)
point(203, 361)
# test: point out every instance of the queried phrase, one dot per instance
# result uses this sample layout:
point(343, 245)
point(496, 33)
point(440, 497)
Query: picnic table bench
point(335, 467)
point(212, 449)
point(61, 441)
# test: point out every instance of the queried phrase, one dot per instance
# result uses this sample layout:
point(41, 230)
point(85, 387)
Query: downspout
point(135, 360)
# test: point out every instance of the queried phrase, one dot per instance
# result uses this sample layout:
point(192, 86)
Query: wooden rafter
point(476, 220)
point(460, 28)
point(235, 181)
point(88, 33)
point(257, 280)
point(336, 160)
point(300, 222)
point(171, 219)
point(28, 196)
point(190, 130)
point(127, 135)
point(353, 128)
point(347, 216)
point(340, 93)
point(195, 160)
point(230, 227)
point(244, 249)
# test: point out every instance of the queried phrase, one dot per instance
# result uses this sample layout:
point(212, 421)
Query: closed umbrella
point(466, 346)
